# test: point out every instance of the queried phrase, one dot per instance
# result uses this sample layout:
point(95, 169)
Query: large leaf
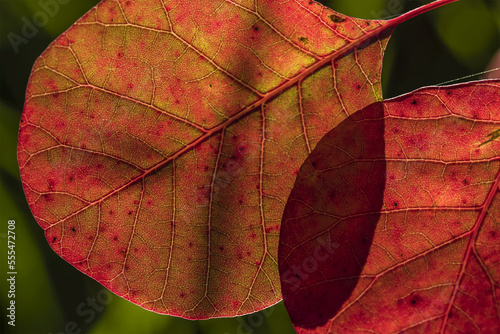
point(160, 140)
point(393, 224)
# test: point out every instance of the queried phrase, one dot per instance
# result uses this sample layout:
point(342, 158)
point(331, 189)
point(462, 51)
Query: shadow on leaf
point(330, 218)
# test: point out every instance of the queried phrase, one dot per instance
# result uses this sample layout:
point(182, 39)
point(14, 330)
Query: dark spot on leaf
point(304, 40)
point(130, 213)
point(71, 178)
point(358, 86)
point(448, 93)
point(182, 295)
point(115, 238)
point(336, 18)
point(206, 168)
point(190, 244)
point(256, 28)
point(240, 256)
point(465, 182)
point(73, 229)
point(414, 102)
point(221, 248)
point(54, 239)
point(248, 253)
point(395, 204)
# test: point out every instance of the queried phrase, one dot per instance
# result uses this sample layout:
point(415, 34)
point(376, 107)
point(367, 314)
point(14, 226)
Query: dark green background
point(451, 42)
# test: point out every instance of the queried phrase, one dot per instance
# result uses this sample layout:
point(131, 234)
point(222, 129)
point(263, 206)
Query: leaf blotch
point(336, 18)
point(304, 40)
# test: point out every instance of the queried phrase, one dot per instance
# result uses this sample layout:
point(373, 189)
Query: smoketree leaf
point(160, 140)
point(393, 223)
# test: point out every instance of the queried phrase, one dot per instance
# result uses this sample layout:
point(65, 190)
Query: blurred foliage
point(51, 296)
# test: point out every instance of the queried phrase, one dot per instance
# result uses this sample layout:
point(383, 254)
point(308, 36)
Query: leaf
point(393, 224)
point(160, 140)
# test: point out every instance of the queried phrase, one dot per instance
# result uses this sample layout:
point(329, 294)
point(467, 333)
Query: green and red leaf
point(160, 140)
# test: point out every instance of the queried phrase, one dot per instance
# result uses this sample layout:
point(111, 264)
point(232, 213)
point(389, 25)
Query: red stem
point(419, 10)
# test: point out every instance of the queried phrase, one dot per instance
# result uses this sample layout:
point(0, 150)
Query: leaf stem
point(420, 10)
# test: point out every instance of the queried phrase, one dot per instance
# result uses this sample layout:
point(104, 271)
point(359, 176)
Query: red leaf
point(160, 140)
point(393, 222)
